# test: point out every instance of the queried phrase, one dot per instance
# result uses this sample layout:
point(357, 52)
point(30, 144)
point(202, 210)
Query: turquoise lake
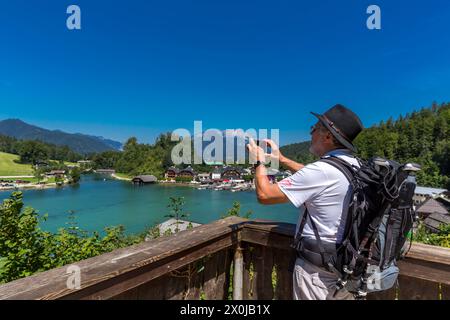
point(99, 203)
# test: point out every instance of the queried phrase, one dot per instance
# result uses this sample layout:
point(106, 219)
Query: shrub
point(441, 238)
point(26, 249)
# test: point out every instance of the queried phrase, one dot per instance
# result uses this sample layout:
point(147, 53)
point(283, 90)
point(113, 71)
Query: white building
point(203, 176)
point(423, 193)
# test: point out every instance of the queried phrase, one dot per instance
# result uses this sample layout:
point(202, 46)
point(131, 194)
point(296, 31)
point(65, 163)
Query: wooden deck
point(232, 257)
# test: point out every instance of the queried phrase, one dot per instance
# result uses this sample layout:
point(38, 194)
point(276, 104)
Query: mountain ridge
point(78, 142)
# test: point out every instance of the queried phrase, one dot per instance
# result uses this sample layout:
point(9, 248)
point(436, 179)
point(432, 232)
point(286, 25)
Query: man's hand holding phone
point(256, 153)
point(265, 151)
point(273, 151)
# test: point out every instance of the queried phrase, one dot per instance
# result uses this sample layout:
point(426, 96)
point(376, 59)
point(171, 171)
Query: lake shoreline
point(99, 203)
point(31, 186)
point(120, 178)
point(161, 182)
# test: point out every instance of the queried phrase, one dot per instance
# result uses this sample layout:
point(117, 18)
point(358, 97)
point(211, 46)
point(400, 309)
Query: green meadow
point(8, 166)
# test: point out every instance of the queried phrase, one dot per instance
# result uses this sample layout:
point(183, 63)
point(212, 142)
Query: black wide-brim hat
point(343, 124)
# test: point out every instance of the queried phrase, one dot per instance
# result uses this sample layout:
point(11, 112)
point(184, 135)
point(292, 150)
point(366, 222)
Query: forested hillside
point(421, 136)
point(298, 152)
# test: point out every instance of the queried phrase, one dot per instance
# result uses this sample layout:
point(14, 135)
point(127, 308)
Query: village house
point(56, 173)
point(216, 174)
point(144, 179)
point(430, 206)
point(232, 173)
point(105, 171)
point(227, 173)
point(84, 162)
point(421, 194)
point(40, 164)
point(445, 201)
point(434, 221)
point(171, 173)
point(203, 177)
point(187, 172)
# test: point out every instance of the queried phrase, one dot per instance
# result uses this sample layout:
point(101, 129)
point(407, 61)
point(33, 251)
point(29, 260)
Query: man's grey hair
point(336, 142)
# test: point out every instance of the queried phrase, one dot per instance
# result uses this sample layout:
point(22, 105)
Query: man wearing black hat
point(319, 188)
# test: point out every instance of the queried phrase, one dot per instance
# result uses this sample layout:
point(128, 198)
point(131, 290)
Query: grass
point(10, 168)
point(34, 180)
point(67, 163)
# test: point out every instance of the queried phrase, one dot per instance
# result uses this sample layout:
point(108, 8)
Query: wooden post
point(238, 274)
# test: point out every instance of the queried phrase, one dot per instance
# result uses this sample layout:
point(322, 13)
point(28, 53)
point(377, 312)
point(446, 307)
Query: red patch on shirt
point(285, 182)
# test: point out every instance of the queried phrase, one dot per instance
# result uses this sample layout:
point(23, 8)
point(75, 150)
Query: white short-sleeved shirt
point(323, 189)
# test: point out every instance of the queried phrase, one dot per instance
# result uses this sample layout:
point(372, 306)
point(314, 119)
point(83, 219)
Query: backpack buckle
point(340, 284)
point(347, 270)
point(361, 295)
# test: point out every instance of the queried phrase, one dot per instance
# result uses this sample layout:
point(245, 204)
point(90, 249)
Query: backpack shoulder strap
point(297, 240)
point(342, 166)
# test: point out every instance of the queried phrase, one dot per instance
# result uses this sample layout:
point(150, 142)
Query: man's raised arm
point(266, 192)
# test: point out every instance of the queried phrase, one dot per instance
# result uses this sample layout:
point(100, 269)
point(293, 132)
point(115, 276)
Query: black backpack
point(379, 218)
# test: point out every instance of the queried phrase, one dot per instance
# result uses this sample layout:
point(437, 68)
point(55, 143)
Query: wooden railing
point(229, 258)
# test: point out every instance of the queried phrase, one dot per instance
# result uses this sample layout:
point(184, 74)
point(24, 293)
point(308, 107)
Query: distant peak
point(13, 120)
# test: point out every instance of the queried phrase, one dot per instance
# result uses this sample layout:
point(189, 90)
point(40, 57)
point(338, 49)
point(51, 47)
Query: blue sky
point(144, 67)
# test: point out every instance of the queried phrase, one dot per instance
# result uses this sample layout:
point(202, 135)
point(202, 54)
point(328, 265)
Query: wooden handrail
point(107, 275)
point(263, 228)
point(423, 261)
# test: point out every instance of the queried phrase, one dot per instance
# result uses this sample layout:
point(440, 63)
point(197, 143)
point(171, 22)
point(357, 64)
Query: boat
point(237, 188)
